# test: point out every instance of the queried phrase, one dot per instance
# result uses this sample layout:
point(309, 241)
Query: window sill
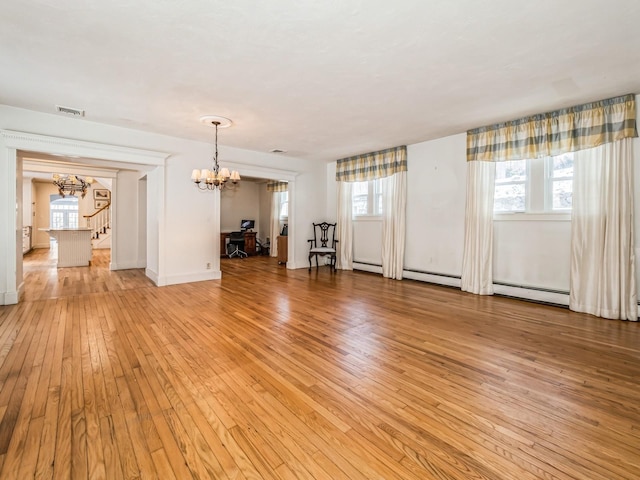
point(532, 217)
point(367, 218)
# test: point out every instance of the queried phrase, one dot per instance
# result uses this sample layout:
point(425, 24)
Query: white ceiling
point(320, 79)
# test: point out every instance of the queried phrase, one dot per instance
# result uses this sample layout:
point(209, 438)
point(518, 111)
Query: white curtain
point(274, 230)
point(344, 227)
point(603, 279)
point(394, 203)
point(477, 258)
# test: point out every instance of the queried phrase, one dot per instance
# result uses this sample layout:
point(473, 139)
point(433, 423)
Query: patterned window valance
point(554, 133)
point(372, 165)
point(277, 186)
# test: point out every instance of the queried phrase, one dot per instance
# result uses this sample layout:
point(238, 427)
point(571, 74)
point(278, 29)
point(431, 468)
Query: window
point(367, 198)
point(539, 185)
point(560, 182)
point(63, 212)
point(284, 205)
point(511, 186)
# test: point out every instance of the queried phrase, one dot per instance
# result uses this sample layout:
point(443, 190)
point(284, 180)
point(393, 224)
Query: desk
point(249, 243)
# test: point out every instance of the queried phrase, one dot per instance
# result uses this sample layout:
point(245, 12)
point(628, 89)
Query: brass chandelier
point(216, 178)
point(71, 184)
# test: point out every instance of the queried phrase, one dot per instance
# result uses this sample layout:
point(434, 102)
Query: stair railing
point(99, 221)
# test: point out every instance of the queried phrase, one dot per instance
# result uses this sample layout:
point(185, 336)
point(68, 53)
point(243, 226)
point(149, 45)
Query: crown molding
point(81, 148)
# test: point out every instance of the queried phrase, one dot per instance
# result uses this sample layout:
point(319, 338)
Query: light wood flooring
point(273, 373)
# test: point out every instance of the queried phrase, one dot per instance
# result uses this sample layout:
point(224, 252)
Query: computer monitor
point(247, 224)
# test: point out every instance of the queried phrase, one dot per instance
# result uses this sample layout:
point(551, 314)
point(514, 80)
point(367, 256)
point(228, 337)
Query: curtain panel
point(371, 166)
point(553, 133)
point(277, 186)
point(394, 214)
point(477, 256)
point(274, 223)
point(344, 227)
point(603, 275)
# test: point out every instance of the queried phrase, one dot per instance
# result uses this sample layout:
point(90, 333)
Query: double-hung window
point(560, 182)
point(511, 186)
point(367, 198)
point(539, 185)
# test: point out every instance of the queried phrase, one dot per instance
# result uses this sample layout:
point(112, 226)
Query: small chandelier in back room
point(217, 177)
point(71, 184)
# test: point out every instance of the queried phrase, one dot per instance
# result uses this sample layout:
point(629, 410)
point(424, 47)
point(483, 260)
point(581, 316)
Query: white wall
point(533, 252)
point(240, 203)
point(436, 183)
point(183, 223)
point(126, 239)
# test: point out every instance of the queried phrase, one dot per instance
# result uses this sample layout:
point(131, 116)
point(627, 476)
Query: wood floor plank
point(273, 373)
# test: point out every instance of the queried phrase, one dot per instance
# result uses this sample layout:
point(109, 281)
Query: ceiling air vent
point(74, 112)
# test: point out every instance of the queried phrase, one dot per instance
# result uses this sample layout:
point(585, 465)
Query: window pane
point(360, 205)
point(57, 220)
point(563, 166)
point(509, 198)
point(360, 188)
point(63, 212)
point(562, 194)
point(284, 209)
point(513, 171)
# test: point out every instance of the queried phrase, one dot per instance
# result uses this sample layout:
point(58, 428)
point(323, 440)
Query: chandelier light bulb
point(216, 178)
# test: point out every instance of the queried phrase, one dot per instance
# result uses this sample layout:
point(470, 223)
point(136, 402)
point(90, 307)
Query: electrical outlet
point(208, 266)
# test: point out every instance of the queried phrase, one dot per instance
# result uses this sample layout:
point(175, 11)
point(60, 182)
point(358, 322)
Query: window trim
point(538, 195)
point(548, 187)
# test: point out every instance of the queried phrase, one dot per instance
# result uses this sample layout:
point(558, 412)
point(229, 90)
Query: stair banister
point(99, 221)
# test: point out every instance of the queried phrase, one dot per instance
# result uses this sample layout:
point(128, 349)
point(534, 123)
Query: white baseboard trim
point(522, 292)
point(9, 298)
point(449, 281)
point(366, 267)
point(294, 266)
point(152, 275)
point(192, 277)
point(537, 295)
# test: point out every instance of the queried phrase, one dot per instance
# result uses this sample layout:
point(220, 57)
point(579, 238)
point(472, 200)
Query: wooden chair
point(323, 242)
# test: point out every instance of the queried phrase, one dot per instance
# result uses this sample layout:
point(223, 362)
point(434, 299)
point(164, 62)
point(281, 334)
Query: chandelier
point(217, 177)
point(71, 184)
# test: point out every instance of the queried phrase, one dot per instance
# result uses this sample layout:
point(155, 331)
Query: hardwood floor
point(273, 373)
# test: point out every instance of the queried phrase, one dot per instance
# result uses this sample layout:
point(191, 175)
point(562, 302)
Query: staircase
point(99, 222)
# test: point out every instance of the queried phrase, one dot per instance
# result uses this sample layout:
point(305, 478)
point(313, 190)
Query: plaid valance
point(372, 165)
point(277, 186)
point(554, 133)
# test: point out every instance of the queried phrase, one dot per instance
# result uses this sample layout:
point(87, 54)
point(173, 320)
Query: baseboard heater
point(522, 292)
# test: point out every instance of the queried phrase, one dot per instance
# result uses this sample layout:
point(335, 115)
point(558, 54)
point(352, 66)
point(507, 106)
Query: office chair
point(235, 247)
